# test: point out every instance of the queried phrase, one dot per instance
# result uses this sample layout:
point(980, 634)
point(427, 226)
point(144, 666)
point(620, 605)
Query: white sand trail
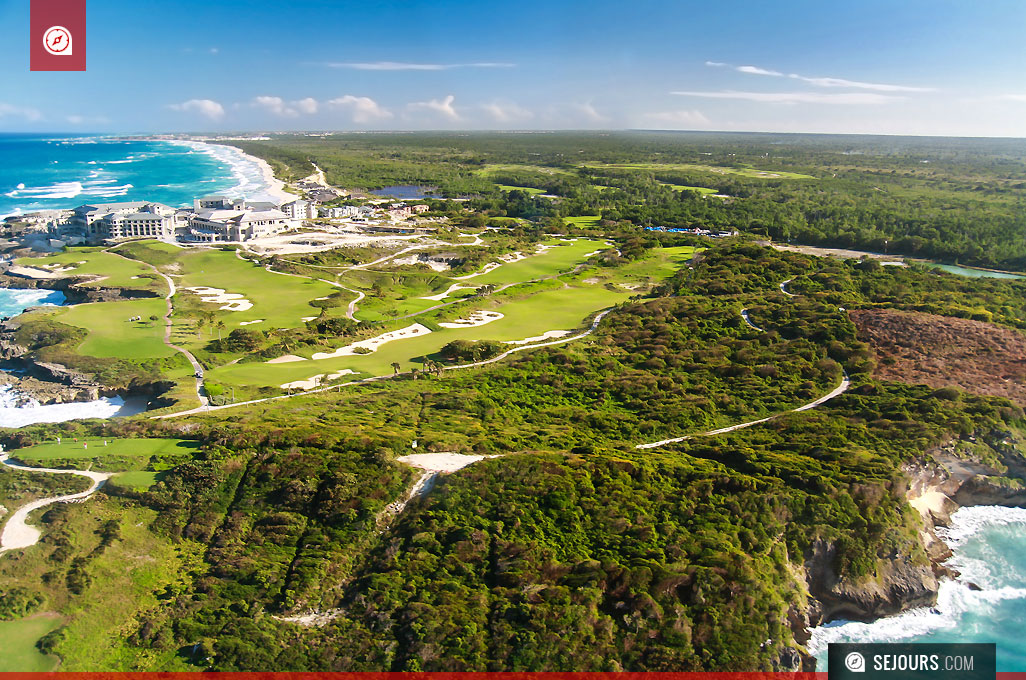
point(372, 344)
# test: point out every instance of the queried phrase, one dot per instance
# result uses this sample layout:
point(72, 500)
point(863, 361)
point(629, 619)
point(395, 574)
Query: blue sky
point(946, 67)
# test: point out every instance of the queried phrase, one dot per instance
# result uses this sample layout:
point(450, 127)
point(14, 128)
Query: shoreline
point(272, 187)
point(956, 597)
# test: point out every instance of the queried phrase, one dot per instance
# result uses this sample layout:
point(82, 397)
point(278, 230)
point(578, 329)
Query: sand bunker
point(441, 296)
point(285, 359)
point(513, 257)
point(232, 302)
point(475, 319)
point(547, 335)
point(316, 380)
point(247, 323)
point(435, 265)
point(439, 462)
point(414, 331)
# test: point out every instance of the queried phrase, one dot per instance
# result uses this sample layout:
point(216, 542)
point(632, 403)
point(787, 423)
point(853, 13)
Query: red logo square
point(57, 35)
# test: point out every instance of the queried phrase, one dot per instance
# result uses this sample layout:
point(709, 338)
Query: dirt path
point(351, 309)
point(172, 289)
point(744, 315)
point(837, 391)
point(17, 533)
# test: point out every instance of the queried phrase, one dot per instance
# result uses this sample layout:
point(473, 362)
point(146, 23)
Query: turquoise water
point(49, 172)
point(15, 301)
point(975, 273)
point(990, 551)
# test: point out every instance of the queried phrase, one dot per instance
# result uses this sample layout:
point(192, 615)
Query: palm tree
point(414, 372)
point(220, 327)
point(200, 322)
point(395, 367)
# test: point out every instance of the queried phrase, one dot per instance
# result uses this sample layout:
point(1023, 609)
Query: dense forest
point(946, 199)
point(570, 549)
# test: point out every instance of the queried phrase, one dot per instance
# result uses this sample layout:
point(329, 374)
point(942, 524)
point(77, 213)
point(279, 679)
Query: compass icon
point(57, 41)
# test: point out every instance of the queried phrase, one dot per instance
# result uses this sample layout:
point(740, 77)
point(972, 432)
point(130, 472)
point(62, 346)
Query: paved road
point(197, 368)
point(17, 532)
point(744, 315)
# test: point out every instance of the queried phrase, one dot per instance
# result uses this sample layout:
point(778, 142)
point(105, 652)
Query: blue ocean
point(990, 551)
point(45, 171)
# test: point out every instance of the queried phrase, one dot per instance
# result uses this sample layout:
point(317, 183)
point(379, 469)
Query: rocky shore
point(939, 483)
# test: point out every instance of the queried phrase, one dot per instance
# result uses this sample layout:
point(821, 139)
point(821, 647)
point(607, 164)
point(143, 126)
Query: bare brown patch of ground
point(940, 351)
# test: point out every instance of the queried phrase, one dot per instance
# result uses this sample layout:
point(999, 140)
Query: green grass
point(282, 301)
point(137, 480)
point(553, 309)
point(116, 271)
point(720, 170)
point(560, 258)
point(584, 221)
point(529, 190)
point(496, 168)
point(705, 191)
point(111, 334)
point(71, 449)
point(19, 644)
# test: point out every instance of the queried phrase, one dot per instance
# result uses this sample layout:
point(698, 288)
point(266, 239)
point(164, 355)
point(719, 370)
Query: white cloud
point(214, 50)
point(442, 107)
point(682, 118)
point(408, 66)
point(280, 107)
point(308, 105)
point(756, 71)
point(507, 112)
point(590, 112)
point(275, 105)
point(841, 82)
point(363, 109)
point(795, 97)
point(205, 107)
point(823, 82)
point(1012, 97)
point(20, 111)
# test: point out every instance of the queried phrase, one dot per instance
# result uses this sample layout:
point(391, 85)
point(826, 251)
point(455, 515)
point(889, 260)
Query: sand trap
point(441, 296)
point(247, 323)
point(594, 252)
point(233, 302)
point(513, 257)
point(439, 462)
point(547, 335)
point(308, 318)
point(285, 359)
point(542, 247)
point(434, 265)
point(413, 331)
point(475, 319)
point(315, 381)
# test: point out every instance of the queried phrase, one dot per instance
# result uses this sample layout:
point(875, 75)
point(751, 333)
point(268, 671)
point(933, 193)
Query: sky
point(943, 67)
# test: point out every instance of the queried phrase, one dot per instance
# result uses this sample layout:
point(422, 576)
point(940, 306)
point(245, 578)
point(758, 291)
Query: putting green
point(111, 334)
point(114, 270)
point(282, 301)
point(82, 447)
point(20, 651)
point(584, 221)
point(554, 309)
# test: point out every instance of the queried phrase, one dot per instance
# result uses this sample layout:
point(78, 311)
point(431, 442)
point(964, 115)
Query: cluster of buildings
point(211, 219)
point(697, 231)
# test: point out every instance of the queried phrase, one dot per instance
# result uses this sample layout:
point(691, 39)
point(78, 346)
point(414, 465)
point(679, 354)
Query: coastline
point(270, 186)
point(963, 604)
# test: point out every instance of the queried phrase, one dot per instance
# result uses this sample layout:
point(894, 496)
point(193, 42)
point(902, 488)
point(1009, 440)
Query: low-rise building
point(129, 219)
point(300, 209)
